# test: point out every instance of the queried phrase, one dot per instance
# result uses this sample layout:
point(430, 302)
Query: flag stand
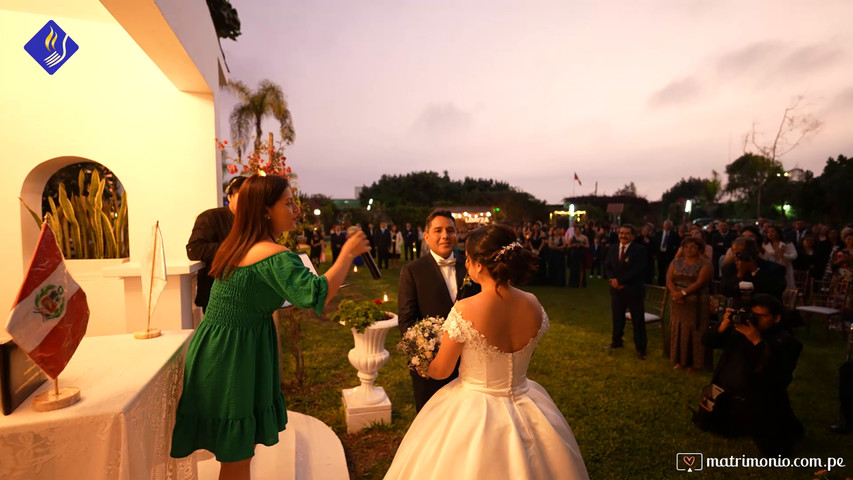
point(149, 332)
point(56, 399)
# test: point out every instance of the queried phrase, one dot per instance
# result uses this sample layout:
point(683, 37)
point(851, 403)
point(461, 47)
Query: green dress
point(232, 398)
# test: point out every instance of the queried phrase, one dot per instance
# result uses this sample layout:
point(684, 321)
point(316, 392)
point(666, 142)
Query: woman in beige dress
point(687, 279)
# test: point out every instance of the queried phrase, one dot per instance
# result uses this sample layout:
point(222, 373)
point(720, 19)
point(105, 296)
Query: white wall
point(109, 103)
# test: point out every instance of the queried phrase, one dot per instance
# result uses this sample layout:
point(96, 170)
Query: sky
point(532, 92)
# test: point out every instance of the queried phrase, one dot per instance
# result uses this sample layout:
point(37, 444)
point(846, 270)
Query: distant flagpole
point(151, 281)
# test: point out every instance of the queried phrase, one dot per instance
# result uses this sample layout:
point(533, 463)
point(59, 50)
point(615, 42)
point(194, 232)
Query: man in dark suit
point(796, 234)
point(337, 237)
point(410, 237)
point(210, 229)
point(721, 241)
point(382, 243)
point(429, 286)
point(666, 245)
point(625, 268)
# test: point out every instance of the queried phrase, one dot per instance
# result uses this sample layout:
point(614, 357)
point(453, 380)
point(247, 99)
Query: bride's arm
point(445, 361)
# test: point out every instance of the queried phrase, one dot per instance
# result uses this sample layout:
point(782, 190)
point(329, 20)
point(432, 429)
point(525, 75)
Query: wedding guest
point(766, 276)
point(556, 258)
point(666, 245)
point(721, 241)
point(397, 244)
point(423, 248)
point(687, 279)
point(210, 229)
point(318, 244)
point(231, 400)
point(410, 237)
point(806, 260)
point(797, 233)
point(337, 237)
point(776, 250)
point(492, 422)
point(646, 238)
point(429, 286)
point(596, 255)
point(536, 243)
point(625, 267)
point(382, 241)
point(576, 247)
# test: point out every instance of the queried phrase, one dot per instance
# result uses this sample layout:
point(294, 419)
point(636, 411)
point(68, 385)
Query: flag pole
point(149, 332)
point(58, 398)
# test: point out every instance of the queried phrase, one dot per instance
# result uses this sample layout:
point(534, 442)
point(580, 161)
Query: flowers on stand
point(358, 315)
point(420, 343)
point(266, 159)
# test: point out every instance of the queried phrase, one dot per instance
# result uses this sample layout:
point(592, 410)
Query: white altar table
point(122, 426)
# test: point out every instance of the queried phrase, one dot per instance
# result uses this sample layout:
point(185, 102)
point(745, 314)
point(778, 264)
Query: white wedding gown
point(490, 423)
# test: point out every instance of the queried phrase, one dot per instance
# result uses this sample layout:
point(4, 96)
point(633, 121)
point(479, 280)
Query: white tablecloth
point(122, 426)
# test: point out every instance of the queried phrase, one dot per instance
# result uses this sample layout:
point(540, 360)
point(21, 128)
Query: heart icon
point(688, 460)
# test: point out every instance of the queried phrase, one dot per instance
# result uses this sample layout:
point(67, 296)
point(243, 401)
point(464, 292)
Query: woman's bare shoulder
point(260, 251)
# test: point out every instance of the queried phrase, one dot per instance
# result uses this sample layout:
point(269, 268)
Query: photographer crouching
point(749, 390)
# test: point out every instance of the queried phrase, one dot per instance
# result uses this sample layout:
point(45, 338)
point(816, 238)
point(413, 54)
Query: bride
point(491, 422)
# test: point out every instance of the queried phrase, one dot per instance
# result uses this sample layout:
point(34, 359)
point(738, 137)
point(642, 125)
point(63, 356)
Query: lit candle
point(354, 268)
point(384, 297)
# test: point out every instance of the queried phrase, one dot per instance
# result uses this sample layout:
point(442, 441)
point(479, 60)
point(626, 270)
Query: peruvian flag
point(50, 314)
point(577, 179)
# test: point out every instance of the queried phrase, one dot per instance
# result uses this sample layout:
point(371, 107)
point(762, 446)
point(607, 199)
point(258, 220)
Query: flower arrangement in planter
point(359, 315)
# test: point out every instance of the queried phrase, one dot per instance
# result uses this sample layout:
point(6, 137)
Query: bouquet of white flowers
point(420, 343)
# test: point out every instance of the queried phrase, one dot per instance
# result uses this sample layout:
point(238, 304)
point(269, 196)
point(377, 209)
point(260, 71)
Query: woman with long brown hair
point(231, 399)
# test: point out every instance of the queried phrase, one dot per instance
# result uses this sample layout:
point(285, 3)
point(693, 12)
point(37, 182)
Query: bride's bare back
point(508, 321)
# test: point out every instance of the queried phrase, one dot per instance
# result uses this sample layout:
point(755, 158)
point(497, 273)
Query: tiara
point(507, 248)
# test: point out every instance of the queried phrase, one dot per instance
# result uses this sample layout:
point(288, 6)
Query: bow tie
point(447, 262)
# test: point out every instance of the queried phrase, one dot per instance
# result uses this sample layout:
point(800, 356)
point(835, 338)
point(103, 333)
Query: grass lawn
point(630, 417)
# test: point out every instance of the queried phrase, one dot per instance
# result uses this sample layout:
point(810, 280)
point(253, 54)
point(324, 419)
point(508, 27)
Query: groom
point(429, 286)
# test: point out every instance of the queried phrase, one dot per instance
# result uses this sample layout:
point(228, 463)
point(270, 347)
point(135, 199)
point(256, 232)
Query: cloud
point(676, 92)
point(751, 58)
point(806, 59)
point(442, 119)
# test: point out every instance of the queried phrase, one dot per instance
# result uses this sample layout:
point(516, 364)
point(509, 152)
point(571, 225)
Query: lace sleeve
point(456, 327)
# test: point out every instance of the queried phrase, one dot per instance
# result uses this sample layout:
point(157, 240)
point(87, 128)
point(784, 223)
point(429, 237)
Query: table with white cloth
point(122, 426)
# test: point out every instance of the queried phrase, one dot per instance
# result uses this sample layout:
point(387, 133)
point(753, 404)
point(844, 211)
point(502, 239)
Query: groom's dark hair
point(438, 213)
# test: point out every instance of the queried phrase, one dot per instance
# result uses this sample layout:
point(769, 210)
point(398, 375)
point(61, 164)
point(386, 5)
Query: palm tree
point(268, 99)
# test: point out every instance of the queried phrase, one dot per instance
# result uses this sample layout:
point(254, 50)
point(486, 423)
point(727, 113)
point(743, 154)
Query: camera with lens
point(743, 316)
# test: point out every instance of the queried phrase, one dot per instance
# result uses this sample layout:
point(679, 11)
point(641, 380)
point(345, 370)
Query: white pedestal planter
point(367, 404)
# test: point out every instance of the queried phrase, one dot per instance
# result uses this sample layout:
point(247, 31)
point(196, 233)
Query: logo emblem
point(51, 47)
point(689, 462)
point(50, 302)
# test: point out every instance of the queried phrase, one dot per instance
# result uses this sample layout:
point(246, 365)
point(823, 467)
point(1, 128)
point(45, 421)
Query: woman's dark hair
point(251, 222)
point(774, 228)
point(496, 248)
point(699, 242)
point(234, 185)
point(751, 228)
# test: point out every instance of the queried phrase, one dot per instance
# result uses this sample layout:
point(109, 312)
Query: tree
point(268, 99)
point(225, 19)
point(629, 190)
point(793, 129)
point(747, 176)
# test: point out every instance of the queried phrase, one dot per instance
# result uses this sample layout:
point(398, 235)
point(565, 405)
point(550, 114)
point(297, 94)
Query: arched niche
point(32, 193)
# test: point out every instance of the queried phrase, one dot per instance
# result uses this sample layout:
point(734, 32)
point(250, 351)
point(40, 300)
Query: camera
point(743, 316)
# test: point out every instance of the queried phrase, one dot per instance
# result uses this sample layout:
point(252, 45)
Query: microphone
point(366, 256)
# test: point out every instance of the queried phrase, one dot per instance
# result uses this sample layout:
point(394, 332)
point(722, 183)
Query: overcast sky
point(530, 92)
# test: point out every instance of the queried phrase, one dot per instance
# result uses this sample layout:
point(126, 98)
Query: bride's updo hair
point(496, 247)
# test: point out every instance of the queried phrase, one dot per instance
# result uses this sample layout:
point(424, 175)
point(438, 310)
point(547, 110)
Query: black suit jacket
point(631, 271)
point(769, 279)
point(673, 241)
point(423, 293)
point(209, 231)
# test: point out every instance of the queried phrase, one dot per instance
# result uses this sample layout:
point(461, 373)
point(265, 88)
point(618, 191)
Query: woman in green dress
point(231, 398)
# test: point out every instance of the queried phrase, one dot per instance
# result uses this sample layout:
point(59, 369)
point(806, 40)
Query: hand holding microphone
point(355, 234)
